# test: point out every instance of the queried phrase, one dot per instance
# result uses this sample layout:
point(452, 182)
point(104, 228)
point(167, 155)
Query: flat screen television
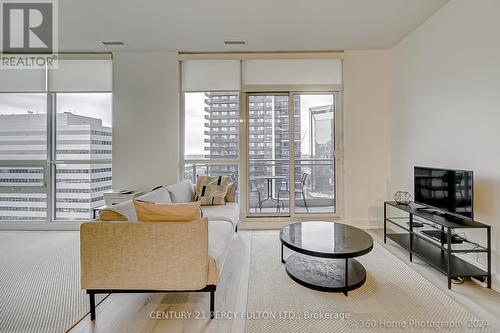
point(448, 191)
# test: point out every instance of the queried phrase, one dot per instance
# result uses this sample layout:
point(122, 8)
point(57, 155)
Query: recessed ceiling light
point(235, 42)
point(112, 43)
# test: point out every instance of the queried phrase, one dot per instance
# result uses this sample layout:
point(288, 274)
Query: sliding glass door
point(314, 153)
point(273, 161)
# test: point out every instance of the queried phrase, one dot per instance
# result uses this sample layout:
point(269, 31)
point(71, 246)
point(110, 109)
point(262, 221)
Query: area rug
point(394, 298)
point(40, 282)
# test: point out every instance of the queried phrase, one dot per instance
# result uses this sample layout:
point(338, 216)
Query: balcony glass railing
point(269, 184)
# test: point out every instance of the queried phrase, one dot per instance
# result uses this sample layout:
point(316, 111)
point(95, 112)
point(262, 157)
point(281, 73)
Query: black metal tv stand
point(439, 253)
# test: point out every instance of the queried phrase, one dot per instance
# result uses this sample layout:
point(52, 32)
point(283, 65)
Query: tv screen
point(449, 191)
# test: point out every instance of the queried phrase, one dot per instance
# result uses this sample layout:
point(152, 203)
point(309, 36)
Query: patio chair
point(254, 188)
point(300, 190)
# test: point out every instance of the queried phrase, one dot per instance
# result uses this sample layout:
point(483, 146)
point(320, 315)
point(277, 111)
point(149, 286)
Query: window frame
point(291, 89)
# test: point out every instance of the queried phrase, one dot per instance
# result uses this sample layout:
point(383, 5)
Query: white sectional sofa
point(161, 257)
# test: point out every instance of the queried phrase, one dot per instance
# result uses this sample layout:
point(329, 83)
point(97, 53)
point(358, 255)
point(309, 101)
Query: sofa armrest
point(144, 256)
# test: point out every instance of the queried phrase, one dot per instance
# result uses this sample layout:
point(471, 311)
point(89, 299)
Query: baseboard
point(264, 225)
point(270, 224)
point(364, 223)
point(40, 226)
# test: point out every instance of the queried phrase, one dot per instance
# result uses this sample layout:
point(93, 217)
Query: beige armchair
point(122, 257)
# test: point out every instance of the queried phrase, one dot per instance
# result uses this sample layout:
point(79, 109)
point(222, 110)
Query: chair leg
point(212, 304)
point(278, 202)
point(260, 202)
point(92, 306)
point(305, 202)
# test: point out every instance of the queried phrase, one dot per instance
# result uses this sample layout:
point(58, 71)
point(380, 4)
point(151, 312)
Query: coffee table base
point(325, 274)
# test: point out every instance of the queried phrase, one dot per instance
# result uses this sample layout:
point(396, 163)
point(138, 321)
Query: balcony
point(269, 186)
point(213, 131)
point(223, 116)
point(225, 140)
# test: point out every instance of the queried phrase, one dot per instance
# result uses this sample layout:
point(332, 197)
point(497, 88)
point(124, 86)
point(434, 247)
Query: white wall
point(145, 119)
point(146, 136)
point(446, 104)
point(367, 112)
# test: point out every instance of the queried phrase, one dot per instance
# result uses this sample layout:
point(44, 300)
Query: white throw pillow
point(127, 209)
point(182, 191)
point(158, 196)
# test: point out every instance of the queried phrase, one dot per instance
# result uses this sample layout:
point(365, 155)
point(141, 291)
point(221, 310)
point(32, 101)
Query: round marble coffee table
point(325, 251)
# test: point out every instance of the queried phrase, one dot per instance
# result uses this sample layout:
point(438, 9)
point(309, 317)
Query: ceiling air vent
point(235, 42)
point(112, 43)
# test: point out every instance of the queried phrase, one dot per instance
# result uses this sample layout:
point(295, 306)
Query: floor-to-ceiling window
point(282, 147)
point(55, 141)
point(211, 119)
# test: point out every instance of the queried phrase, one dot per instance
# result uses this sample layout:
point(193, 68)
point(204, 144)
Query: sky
point(95, 105)
point(194, 123)
point(98, 105)
point(194, 120)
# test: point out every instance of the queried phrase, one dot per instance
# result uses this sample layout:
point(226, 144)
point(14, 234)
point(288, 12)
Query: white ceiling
point(266, 25)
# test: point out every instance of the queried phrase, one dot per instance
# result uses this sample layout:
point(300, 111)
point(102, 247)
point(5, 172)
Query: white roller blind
point(75, 75)
point(22, 80)
point(209, 75)
point(292, 72)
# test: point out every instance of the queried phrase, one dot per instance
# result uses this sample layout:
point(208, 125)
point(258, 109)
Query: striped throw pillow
point(211, 190)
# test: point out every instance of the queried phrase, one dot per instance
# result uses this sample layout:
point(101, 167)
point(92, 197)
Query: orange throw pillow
point(172, 212)
point(111, 215)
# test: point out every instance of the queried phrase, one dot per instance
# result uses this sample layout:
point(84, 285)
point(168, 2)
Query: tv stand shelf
point(440, 254)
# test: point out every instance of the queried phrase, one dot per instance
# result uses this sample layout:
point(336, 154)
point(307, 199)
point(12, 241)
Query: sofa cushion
point(180, 212)
point(230, 212)
point(126, 209)
point(182, 191)
point(159, 195)
point(220, 235)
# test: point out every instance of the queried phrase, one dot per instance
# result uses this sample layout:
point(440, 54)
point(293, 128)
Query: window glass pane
point(314, 154)
point(211, 126)
point(268, 154)
point(193, 170)
point(23, 207)
point(23, 126)
point(84, 126)
point(23, 136)
point(22, 177)
point(80, 188)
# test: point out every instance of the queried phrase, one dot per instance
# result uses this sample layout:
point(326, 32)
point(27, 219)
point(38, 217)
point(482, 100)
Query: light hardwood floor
point(132, 312)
